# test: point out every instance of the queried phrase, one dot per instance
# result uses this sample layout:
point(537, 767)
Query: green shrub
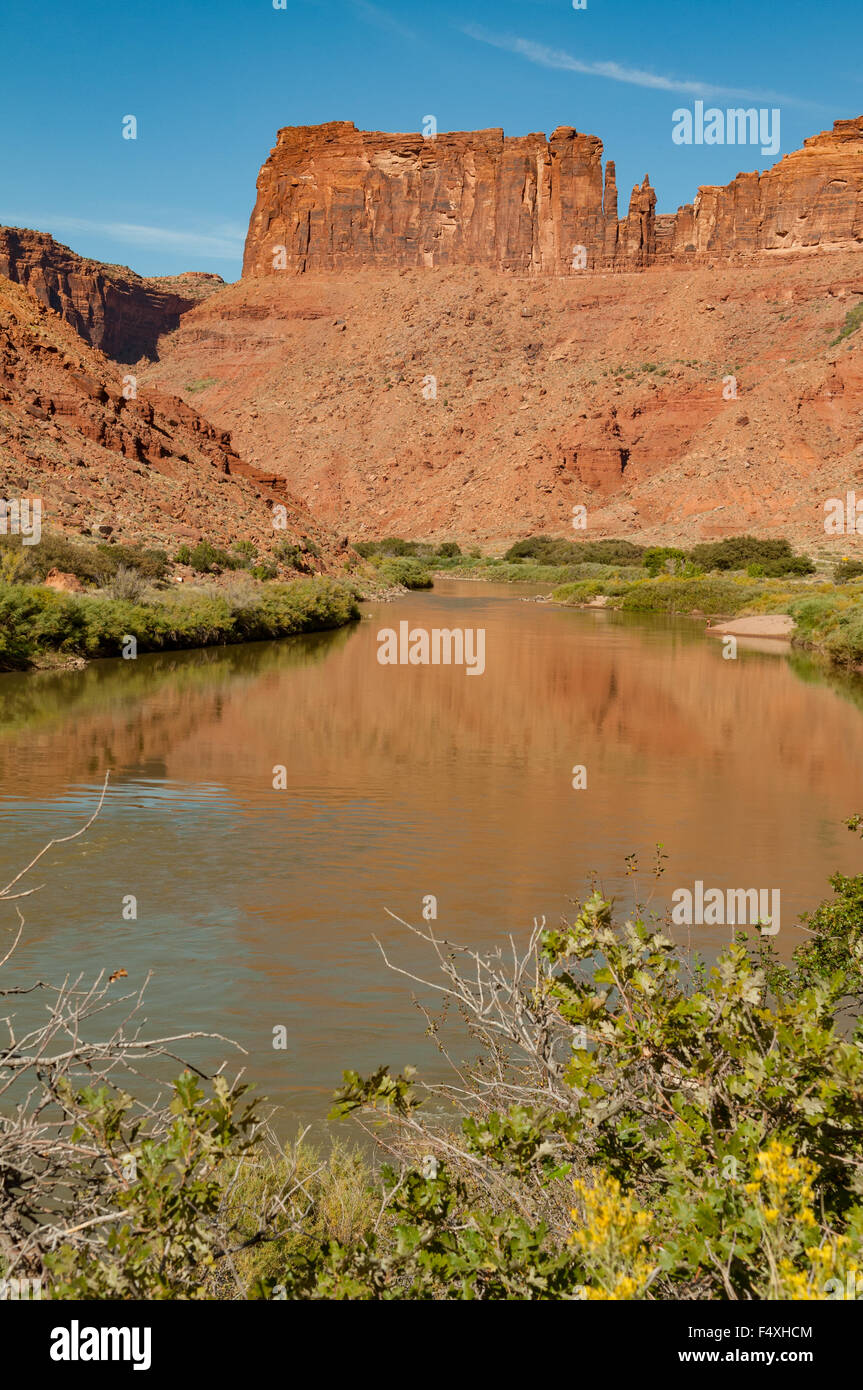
point(412, 574)
point(126, 583)
point(738, 552)
point(165, 1240)
point(36, 621)
point(847, 569)
point(853, 320)
point(671, 594)
point(291, 555)
point(637, 1125)
point(206, 558)
point(449, 550)
point(93, 564)
point(546, 550)
point(663, 557)
point(148, 563)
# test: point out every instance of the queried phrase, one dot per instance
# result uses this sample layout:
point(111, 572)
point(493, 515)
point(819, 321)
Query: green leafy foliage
point(412, 574)
point(546, 550)
point(853, 320)
point(166, 1191)
point(775, 557)
point(847, 569)
point(94, 564)
point(711, 1117)
point(35, 621)
point(659, 558)
point(206, 558)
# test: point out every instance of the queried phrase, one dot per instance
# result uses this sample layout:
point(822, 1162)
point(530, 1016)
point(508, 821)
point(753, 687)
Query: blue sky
point(211, 83)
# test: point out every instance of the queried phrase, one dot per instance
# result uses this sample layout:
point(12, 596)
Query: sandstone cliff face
point(331, 197)
point(335, 197)
point(110, 306)
point(812, 197)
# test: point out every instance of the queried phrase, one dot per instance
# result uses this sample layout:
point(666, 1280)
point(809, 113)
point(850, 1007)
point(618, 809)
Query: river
point(257, 908)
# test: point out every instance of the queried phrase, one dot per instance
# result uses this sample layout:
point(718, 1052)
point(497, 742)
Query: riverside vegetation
point(742, 575)
point(631, 1124)
point(237, 597)
point(126, 593)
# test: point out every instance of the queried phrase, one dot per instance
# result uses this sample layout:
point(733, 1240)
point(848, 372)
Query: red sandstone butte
point(331, 197)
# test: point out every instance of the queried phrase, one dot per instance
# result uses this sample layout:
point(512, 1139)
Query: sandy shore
point(763, 625)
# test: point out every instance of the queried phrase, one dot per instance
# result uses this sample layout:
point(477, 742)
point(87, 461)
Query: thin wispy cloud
point(380, 19)
point(224, 247)
point(558, 58)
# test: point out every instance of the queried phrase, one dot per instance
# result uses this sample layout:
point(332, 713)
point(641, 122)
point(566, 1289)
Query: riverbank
point(819, 616)
point(40, 627)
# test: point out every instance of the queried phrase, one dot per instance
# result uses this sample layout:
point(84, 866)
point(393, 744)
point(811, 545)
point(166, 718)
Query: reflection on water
point(257, 907)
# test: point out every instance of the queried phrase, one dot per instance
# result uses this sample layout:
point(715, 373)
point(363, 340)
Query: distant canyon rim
point(413, 349)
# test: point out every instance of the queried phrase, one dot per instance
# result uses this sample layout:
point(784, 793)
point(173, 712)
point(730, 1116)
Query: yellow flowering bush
point(611, 1234)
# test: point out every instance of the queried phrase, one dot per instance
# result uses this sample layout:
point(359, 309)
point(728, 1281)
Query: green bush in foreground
point(638, 1126)
point(635, 1125)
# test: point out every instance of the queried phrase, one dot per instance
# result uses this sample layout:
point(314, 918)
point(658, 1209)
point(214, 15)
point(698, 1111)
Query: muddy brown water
point(257, 908)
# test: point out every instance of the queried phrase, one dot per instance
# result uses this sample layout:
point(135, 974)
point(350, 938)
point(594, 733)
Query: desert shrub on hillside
point(264, 570)
point(206, 558)
point(148, 563)
point(93, 564)
point(126, 583)
point(847, 569)
point(291, 555)
point(853, 320)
